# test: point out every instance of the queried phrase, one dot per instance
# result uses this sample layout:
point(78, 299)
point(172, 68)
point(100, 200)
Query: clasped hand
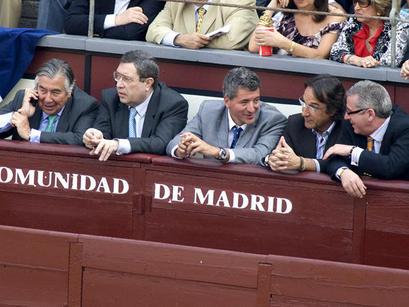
point(94, 140)
point(190, 144)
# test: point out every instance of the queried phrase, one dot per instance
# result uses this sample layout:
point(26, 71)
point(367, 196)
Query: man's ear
point(149, 83)
point(226, 101)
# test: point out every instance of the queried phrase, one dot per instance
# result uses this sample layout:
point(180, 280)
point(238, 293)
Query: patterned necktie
point(51, 122)
point(236, 134)
point(132, 125)
point(369, 144)
point(201, 11)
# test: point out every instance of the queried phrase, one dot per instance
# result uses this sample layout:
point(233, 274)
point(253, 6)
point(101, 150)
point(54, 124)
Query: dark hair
point(144, 63)
point(320, 6)
point(240, 77)
point(55, 67)
point(330, 91)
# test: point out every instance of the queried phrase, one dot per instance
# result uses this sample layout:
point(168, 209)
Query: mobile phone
point(33, 101)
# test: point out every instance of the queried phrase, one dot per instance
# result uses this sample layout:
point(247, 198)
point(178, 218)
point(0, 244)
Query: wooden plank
point(323, 283)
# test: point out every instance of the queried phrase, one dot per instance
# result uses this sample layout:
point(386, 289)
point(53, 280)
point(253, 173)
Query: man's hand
point(92, 137)
point(353, 184)
point(104, 149)
point(196, 145)
point(181, 151)
point(20, 121)
point(338, 149)
point(283, 158)
point(192, 40)
point(133, 14)
point(27, 108)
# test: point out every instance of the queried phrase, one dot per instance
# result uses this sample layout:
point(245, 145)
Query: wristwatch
point(222, 154)
point(266, 160)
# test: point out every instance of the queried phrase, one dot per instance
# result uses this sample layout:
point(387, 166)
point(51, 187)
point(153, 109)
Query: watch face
point(222, 154)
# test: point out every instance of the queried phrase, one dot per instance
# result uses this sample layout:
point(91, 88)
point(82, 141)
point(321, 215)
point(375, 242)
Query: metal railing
point(393, 16)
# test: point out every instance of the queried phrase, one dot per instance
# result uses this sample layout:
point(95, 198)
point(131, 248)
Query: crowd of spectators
point(345, 134)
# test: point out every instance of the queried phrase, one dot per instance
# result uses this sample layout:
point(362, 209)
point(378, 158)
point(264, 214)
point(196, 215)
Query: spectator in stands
point(55, 111)
point(10, 11)
point(375, 142)
point(240, 129)
point(51, 14)
point(302, 35)
point(187, 25)
point(308, 134)
point(140, 115)
point(366, 42)
point(120, 19)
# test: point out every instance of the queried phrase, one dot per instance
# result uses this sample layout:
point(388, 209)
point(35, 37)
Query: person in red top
point(364, 41)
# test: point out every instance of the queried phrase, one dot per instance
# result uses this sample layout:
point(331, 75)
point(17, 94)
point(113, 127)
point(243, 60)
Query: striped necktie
point(132, 124)
point(201, 11)
point(51, 123)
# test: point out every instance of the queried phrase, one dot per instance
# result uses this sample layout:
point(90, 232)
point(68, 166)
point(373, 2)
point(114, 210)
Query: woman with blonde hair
point(300, 34)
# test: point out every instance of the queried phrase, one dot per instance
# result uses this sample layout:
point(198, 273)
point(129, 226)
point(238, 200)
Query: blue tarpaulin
point(17, 47)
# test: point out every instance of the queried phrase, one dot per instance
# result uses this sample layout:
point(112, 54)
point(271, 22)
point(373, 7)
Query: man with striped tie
point(141, 114)
point(55, 111)
point(238, 129)
point(374, 141)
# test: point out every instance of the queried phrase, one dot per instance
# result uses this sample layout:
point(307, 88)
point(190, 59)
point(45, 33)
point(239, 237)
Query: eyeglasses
point(362, 3)
point(118, 77)
point(310, 108)
point(356, 111)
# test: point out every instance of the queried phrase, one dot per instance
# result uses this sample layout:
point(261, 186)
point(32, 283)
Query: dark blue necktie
point(236, 134)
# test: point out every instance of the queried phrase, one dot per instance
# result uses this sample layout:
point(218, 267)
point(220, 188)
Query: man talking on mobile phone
point(55, 111)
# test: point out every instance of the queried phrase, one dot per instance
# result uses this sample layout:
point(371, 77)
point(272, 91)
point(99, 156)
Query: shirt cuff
point(109, 21)
point(232, 157)
point(169, 38)
point(317, 166)
point(124, 147)
point(173, 153)
point(35, 135)
point(355, 154)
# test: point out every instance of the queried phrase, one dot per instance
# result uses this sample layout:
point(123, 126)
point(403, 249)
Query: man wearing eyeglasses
point(308, 134)
point(140, 115)
point(375, 142)
point(55, 111)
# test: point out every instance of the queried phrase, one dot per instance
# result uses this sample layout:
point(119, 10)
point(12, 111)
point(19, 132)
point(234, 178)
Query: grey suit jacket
point(79, 114)
point(211, 124)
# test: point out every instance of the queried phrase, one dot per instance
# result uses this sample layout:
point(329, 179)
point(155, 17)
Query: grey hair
point(372, 95)
point(55, 67)
point(240, 77)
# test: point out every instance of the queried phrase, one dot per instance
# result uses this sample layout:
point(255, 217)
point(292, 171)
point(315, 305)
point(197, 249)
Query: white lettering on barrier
point(67, 181)
point(235, 200)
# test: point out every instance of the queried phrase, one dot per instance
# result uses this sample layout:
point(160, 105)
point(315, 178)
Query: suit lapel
point(223, 131)
point(64, 120)
point(189, 20)
point(35, 120)
point(209, 18)
point(151, 111)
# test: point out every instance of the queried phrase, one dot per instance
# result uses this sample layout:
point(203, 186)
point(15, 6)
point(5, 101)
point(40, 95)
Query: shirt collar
point(205, 6)
point(142, 107)
point(232, 123)
point(378, 134)
point(45, 115)
point(326, 133)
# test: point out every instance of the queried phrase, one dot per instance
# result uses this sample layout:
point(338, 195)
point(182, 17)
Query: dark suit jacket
point(78, 115)
point(303, 141)
point(392, 162)
point(165, 117)
point(76, 21)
